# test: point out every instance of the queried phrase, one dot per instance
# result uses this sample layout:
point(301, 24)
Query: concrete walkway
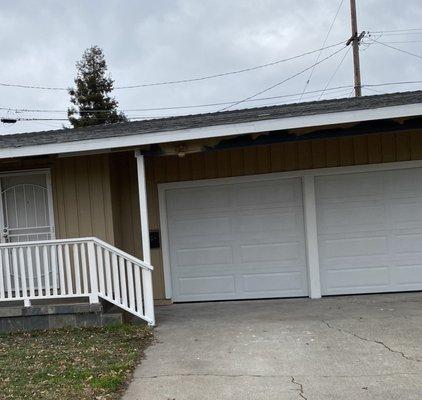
point(357, 347)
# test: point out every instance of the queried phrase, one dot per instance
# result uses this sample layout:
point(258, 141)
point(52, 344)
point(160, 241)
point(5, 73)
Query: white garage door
point(370, 231)
point(237, 241)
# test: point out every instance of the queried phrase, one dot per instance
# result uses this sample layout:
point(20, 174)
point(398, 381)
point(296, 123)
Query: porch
point(51, 271)
point(38, 268)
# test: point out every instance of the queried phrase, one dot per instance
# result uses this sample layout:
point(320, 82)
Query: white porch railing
point(54, 269)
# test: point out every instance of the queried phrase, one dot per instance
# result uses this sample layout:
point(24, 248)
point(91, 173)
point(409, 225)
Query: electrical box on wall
point(154, 239)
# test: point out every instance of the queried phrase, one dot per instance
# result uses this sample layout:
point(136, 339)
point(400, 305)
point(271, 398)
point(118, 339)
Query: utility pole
point(355, 40)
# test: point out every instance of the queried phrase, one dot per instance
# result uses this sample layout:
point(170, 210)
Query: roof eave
point(133, 140)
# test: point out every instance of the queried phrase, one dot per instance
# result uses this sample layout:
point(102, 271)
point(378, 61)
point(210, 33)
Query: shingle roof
point(210, 119)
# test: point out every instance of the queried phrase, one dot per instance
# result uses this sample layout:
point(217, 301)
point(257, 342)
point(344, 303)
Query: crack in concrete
point(300, 389)
point(402, 354)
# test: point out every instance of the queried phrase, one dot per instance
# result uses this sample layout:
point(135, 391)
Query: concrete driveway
point(355, 347)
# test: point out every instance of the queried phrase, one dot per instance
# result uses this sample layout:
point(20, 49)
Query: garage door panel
point(336, 189)
point(407, 244)
point(406, 214)
point(269, 221)
point(197, 199)
point(203, 226)
point(353, 247)
point(351, 218)
point(189, 287)
point(254, 247)
point(408, 276)
point(288, 282)
point(264, 194)
point(356, 279)
point(269, 252)
point(376, 247)
point(204, 256)
point(404, 185)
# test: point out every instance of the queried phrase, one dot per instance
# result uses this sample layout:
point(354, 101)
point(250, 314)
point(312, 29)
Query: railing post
point(93, 277)
point(148, 295)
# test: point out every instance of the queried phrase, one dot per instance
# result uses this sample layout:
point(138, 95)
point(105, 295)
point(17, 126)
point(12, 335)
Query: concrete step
point(52, 316)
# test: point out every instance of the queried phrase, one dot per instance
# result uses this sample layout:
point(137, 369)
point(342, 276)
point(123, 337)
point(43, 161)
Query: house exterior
point(310, 199)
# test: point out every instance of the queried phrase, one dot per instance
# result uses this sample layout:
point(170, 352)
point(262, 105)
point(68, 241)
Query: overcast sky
point(149, 41)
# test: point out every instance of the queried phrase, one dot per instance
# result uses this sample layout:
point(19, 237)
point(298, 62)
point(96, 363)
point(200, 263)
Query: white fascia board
point(305, 121)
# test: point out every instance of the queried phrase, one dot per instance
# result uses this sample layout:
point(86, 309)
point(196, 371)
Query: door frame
point(309, 209)
point(36, 171)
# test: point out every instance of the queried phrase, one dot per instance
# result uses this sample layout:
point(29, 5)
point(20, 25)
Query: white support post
point(142, 191)
point(311, 236)
point(93, 277)
point(146, 250)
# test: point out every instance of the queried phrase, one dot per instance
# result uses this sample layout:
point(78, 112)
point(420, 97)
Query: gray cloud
point(147, 41)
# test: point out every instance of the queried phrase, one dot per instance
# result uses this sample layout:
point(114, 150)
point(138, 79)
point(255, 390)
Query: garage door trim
point(309, 205)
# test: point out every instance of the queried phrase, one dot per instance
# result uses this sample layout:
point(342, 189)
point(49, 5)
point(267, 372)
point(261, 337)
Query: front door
point(26, 213)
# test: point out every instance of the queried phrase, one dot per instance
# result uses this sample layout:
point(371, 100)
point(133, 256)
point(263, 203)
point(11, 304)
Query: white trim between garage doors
point(309, 205)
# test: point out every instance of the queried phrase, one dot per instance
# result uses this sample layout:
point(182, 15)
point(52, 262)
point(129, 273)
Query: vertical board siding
point(278, 157)
point(82, 189)
point(82, 196)
point(403, 147)
point(415, 147)
point(360, 149)
point(67, 185)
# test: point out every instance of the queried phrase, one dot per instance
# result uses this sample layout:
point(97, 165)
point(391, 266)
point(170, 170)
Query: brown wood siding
point(81, 194)
point(321, 153)
point(82, 197)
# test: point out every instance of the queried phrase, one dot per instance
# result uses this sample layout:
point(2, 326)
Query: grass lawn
point(77, 364)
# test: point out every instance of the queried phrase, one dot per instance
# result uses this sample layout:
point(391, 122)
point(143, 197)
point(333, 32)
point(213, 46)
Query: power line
point(396, 34)
point(396, 48)
point(392, 83)
point(398, 30)
point(145, 117)
point(307, 99)
point(180, 81)
point(335, 72)
point(227, 73)
point(283, 81)
point(188, 106)
point(403, 42)
point(46, 124)
point(41, 119)
point(266, 104)
point(19, 110)
point(323, 44)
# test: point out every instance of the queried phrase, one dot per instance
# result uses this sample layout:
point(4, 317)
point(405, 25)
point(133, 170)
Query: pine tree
point(91, 93)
